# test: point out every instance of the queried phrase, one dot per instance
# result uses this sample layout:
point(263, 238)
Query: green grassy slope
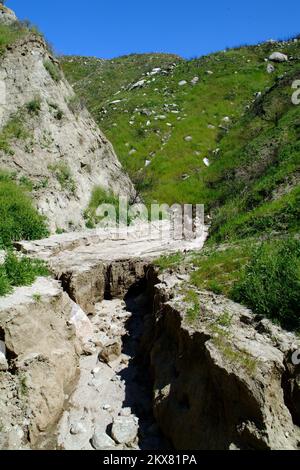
point(241, 119)
point(152, 123)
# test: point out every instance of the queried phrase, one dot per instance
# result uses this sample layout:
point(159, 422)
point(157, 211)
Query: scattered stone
point(125, 412)
point(138, 84)
point(147, 163)
point(101, 441)
point(209, 72)
point(124, 429)
point(132, 151)
point(226, 119)
point(195, 80)
point(3, 362)
point(182, 83)
point(270, 68)
point(188, 138)
point(211, 126)
point(111, 352)
point(206, 161)
point(278, 57)
point(77, 428)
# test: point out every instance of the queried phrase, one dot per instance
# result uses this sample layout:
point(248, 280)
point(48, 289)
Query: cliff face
point(52, 140)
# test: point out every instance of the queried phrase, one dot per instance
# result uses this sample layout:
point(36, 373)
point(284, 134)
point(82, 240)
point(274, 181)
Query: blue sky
point(186, 27)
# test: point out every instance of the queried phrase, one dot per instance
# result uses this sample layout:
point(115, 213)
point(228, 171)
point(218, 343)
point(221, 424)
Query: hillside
point(49, 143)
point(220, 130)
point(163, 128)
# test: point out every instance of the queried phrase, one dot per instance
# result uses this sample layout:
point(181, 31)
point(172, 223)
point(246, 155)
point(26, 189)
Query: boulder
point(110, 352)
point(125, 429)
point(182, 83)
point(270, 68)
point(7, 16)
point(101, 441)
point(278, 57)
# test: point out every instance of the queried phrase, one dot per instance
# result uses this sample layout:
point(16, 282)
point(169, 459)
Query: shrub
point(99, 196)
point(13, 129)
point(34, 106)
point(53, 70)
point(19, 272)
point(270, 284)
point(64, 176)
point(18, 218)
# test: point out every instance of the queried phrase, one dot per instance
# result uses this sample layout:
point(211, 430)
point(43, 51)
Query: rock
point(101, 441)
point(82, 325)
point(139, 84)
point(206, 161)
point(209, 72)
point(182, 83)
point(195, 80)
point(124, 429)
point(132, 152)
point(125, 412)
point(39, 335)
point(77, 428)
point(147, 163)
point(3, 362)
point(278, 57)
point(111, 352)
point(211, 126)
point(188, 138)
point(7, 16)
point(270, 68)
point(55, 141)
point(226, 119)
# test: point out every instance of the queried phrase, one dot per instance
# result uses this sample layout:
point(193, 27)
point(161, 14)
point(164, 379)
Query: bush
point(270, 284)
point(53, 70)
point(64, 176)
point(18, 218)
point(19, 272)
point(13, 129)
point(99, 196)
point(34, 106)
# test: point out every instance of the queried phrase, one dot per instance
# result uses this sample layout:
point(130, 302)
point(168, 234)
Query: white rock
point(195, 80)
point(209, 72)
point(124, 429)
point(147, 163)
point(206, 161)
point(3, 362)
point(101, 441)
point(132, 151)
point(138, 84)
point(270, 68)
point(125, 412)
point(182, 83)
point(278, 57)
point(188, 138)
point(77, 428)
point(226, 119)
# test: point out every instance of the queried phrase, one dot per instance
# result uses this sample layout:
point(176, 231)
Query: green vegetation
point(34, 106)
point(192, 299)
point(14, 129)
point(218, 270)
point(53, 70)
point(270, 283)
point(152, 122)
point(169, 261)
point(37, 297)
point(18, 218)
point(19, 272)
point(100, 196)
point(64, 176)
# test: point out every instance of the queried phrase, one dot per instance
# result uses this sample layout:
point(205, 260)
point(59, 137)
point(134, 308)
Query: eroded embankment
point(147, 377)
